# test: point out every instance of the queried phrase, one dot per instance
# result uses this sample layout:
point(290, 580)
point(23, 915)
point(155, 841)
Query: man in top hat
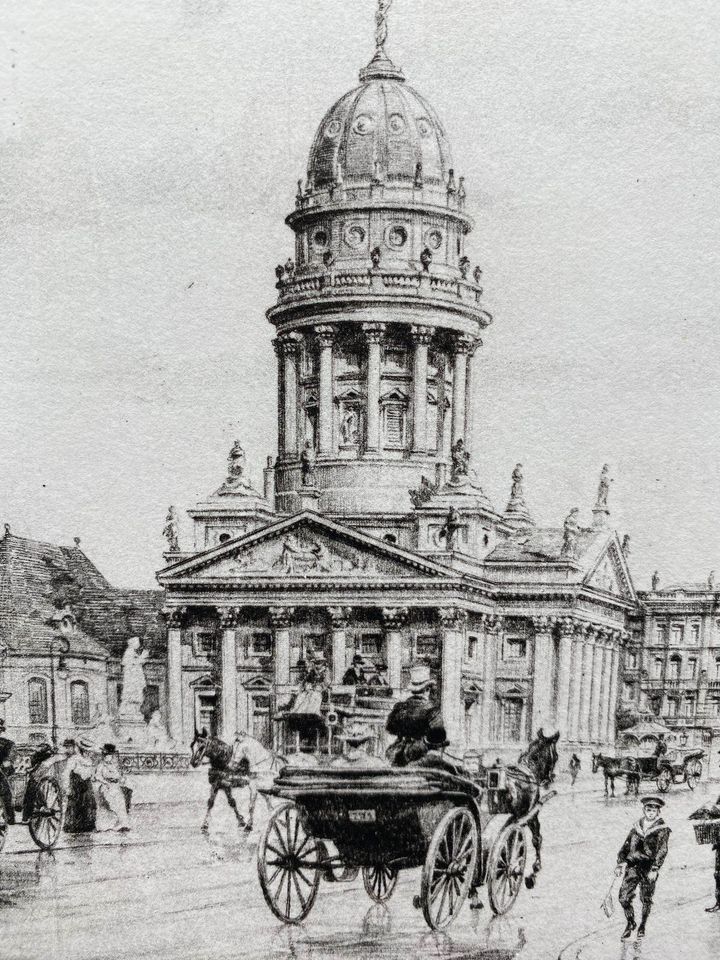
point(412, 720)
point(660, 751)
point(355, 674)
point(642, 855)
point(7, 755)
point(356, 737)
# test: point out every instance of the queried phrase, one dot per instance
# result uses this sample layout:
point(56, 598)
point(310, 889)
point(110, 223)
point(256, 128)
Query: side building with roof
point(63, 629)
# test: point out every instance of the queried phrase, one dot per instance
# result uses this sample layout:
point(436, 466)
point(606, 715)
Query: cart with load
point(382, 821)
point(38, 804)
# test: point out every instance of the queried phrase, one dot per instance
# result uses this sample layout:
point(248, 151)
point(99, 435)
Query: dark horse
point(534, 771)
point(620, 767)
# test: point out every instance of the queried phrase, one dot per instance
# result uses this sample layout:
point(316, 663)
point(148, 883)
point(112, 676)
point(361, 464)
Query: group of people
point(93, 784)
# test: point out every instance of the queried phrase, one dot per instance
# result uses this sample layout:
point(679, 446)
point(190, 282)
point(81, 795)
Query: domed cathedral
point(372, 556)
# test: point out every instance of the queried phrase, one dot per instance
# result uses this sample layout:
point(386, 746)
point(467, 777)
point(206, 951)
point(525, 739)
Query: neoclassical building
point(372, 535)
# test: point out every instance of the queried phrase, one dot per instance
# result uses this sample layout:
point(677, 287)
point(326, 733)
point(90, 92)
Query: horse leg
point(210, 805)
point(612, 786)
point(252, 800)
point(234, 807)
point(534, 826)
point(606, 781)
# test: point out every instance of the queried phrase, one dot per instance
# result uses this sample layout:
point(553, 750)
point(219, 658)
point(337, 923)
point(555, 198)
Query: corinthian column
point(174, 673)
point(493, 632)
point(339, 617)
point(326, 338)
point(586, 687)
point(605, 690)
point(374, 335)
point(597, 667)
point(469, 397)
point(542, 674)
point(289, 346)
point(394, 618)
point(453, 622)
point(421, 337)
point(228, 672)
point(461, 349)
point(612, 700)
point(280, 619)
point(578, 641)
point(567, 633)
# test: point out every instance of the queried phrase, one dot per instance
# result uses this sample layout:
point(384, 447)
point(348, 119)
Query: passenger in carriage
point(412, 720)
point(356, 737)
point(355, 673)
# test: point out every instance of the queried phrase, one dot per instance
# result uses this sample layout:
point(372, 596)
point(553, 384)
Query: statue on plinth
point(452, 525)
point(516, 490)
point(170, 530)
point(307, 465)
point(655, 582)
point(459, 462)
point(236, 467)
point(603, 489)
point(571, 535)
point(133, 680)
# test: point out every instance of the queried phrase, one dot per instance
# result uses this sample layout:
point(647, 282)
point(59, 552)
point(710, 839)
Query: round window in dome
point(396, 123)
point(397, 237)
point(333, 129)
point(434, 239)
point(320, 239)
point(424, 127)
point(354, 236)
point(364, 124)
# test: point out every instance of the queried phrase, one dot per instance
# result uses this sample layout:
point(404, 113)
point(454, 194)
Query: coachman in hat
point(416, 722)
point(642, 855)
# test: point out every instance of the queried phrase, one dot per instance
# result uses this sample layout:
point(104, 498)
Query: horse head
point(542, 756)
point(596, 762)
point(198, 747)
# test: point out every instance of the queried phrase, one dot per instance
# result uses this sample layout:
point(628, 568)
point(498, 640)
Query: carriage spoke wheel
point(380, 881)
point(288, 862)
point(663, 781)
point(46, 817)
point(693, 773)
point(449, 868)
point(506, 868)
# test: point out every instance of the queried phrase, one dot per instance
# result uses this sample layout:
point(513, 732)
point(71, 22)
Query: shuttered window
point(79, 703)
point(37, 700)
point(395, 425)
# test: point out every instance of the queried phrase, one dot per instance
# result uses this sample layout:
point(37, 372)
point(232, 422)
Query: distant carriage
point(677, 766)
point(39, 802)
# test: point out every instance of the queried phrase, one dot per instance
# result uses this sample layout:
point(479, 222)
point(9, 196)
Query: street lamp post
point(62, 644)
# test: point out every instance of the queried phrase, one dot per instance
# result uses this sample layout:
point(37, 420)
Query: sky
point(149, 154)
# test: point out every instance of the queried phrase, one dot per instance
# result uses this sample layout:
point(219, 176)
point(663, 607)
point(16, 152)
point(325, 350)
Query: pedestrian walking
point(641, 857)
point(574, 767)
point(113, 793)
point(81, 811)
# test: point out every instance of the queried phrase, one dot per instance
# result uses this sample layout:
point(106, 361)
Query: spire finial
point(381, 27)
point(381, 67)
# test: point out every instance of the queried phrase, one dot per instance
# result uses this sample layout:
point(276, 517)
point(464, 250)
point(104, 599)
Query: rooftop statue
point(603, 489)
point(516, 490)
point(571, 534)
point(170, 530)
point(655, 582)
point(460, 462)
point(307, 464)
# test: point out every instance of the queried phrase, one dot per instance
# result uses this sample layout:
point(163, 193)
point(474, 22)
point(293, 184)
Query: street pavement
point(166, 891)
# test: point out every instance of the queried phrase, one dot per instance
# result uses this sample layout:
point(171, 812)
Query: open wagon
point(383, 821)
point(38, 804)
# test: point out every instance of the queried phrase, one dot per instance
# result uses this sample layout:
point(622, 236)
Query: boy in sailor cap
point(642, 855)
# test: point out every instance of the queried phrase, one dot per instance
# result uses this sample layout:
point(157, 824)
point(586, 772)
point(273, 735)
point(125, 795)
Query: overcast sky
point(150, 150)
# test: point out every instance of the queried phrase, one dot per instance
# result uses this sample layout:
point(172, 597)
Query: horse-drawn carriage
point(678, 765)
point(462, 831)
point(40, 803)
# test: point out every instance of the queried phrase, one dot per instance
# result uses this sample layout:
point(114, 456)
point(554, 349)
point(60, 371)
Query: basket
point(707, 831)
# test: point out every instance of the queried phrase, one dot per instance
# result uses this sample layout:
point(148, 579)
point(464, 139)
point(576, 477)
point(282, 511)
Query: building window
point(632, 660)
point(151, 700)
point(672, 708)
point(37, 700)
point(370, 645)
point(660, 632)
point(676, 634)
point(203, 643)
point(394, 416)
point(674, 668)
point(79, 703)
point(396, 358)
point(512, 713)
point(426, 647)
point(690, 707)
point(472, 648)
point(627, 691)
point(692, 668)
point(717, 669)
point(515, 648)
point(657, 668)
point(261, 645)
point(694, 633)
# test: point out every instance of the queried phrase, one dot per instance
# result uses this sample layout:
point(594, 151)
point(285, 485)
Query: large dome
point(383, 127)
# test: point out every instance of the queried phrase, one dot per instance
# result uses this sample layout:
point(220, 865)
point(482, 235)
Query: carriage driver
point(416, 722)
point(7, 755)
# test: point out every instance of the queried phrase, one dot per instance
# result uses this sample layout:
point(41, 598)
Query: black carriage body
point(377, 816)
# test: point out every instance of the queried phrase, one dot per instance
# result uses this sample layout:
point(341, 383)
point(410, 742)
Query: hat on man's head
point(358, 659)
point(652, 801)
point(357, 733)
point(109, 748)
point(68, 742)
point(436, 738)
point(85, 743)
point(420, 679)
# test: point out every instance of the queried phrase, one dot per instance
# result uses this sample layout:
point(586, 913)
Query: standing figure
point(516, 490)
point(307, 464)
point(133, 679)
point(113, 792)
point(641, 856)
point(659, 751)
point(571, 533)
point(81, 810)
point(7, 756)
point(412, 721)
point(460, 461)
point(355, 674)
point(574, 768)
point(170, 530)
point(452, 525)
point(715, 908)
point(655, 582)
point(603, 489)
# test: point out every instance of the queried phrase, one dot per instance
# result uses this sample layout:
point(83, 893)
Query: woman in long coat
point(81, 809)
point(113, 794)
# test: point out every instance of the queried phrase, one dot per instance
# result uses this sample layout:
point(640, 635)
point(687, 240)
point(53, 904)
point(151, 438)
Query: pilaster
point(453, 620)
point(229, 618)
point(394, 619)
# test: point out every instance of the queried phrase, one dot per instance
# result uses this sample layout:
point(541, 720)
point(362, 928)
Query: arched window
point(79, 703)
point(37, 700)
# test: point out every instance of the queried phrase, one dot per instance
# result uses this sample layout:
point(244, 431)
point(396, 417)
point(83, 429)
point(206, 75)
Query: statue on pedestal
point(460, 462)
point(307, 464)
point(603, 489)
point(452, 525)
point(655, 582)
point(170, 530)
point(571, 534)
point(133, 680)
point(236, 467)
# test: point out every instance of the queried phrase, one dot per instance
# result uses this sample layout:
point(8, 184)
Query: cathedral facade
point(372, 542)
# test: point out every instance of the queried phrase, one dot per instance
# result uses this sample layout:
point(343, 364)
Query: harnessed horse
point(222, 777)
point(620, 767)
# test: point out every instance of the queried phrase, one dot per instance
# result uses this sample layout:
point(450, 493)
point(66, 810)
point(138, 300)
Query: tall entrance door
point(512, 717)
point(206, 711)
point(260, 719)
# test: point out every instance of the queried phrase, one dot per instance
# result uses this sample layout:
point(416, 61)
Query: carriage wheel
point(289, 865)
point(449, 868)
point(380, 881)
point(693, 773)
point(664, 779)
point(47, 814)
point(506, 868)
point(3, 826)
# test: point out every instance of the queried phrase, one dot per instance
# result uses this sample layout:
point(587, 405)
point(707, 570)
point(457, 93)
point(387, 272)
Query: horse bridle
point(203, 750)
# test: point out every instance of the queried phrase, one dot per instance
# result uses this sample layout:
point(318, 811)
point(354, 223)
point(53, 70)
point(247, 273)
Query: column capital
point(174, 617)
point(229, 617)
point(394, 617)
point(421, 335)
point(374, 332)
point(543, 624)
point(492, 622)
point(452, 618)
point(339, 616)
point(464, 344)
point(288, 344)
point(325, 334)
point(281, 616)
point(568, 626)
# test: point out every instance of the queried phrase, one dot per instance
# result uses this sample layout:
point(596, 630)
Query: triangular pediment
point(306, 546)
point(610, 572)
